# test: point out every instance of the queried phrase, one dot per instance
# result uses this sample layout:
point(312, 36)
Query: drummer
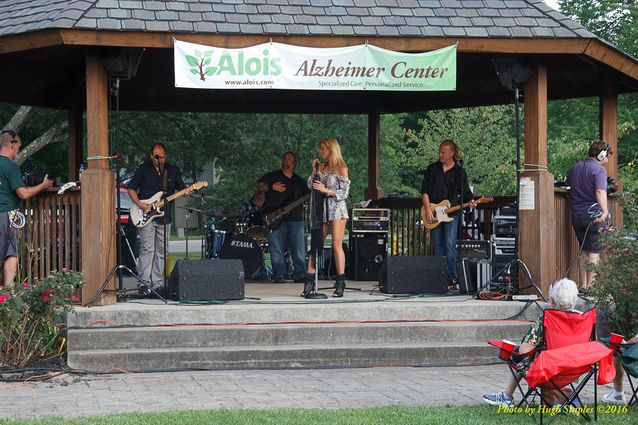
point(252, 207)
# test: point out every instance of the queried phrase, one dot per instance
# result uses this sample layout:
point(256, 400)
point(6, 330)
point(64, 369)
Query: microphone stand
point(166, 213)
point(316, 237)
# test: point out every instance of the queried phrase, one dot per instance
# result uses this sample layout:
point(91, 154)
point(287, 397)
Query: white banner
point(282, 66)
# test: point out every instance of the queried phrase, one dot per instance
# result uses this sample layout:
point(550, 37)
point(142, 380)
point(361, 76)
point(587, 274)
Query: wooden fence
point(51, 238)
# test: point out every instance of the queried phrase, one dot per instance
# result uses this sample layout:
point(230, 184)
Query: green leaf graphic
point(210, 71)
point(192, 60)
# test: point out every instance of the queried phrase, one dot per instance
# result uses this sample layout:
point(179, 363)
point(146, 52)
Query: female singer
point(332, 180)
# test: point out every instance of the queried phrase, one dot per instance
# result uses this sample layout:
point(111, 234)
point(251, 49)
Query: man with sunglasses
point(155, 175)
point(12, 190)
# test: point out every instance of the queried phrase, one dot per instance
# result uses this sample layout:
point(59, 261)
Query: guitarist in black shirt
point(445, 179)
point(284, 188)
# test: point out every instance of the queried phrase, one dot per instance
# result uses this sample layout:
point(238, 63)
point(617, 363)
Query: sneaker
point(498, 399)
point(615, 398)
point(278, 279)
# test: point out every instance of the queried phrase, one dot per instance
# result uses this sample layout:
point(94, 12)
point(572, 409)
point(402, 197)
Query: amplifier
point(503, 246)
point(371, 220)
point(504, 226)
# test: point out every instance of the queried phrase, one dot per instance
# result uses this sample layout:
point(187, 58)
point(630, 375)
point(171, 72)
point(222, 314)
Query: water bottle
point(80, 172)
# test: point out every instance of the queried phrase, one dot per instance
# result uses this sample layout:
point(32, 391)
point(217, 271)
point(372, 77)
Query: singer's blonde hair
point(335, 159)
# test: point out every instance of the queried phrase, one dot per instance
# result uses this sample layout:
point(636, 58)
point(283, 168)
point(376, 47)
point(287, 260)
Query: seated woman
point(617, 395)
point(563, 295)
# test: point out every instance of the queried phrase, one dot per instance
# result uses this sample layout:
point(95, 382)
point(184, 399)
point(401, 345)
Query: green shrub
point(615, 289)
point(29, 314)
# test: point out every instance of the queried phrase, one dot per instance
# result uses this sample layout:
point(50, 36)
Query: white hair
point(564, 293)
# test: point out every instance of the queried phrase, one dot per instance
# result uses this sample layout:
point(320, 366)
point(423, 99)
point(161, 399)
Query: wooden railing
point(409, 237)
point(50, 240)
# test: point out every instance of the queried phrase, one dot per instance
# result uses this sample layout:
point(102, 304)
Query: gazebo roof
point(46, 40)
point(372, 18)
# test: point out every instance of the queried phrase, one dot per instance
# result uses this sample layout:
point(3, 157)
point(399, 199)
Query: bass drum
point(246, 249)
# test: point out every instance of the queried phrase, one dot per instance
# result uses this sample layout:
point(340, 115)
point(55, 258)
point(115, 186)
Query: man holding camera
point(12, 190)
point(588, 183)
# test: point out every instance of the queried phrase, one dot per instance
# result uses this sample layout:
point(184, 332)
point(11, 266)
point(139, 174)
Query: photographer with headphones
point(588, 183)
point(12, 190)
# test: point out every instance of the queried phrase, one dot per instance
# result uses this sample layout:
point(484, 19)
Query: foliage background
point(242, 147)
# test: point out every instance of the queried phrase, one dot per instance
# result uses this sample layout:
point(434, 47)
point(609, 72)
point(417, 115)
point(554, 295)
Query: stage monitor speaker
point(368, 252)
point(414, 275)
point(212, 279)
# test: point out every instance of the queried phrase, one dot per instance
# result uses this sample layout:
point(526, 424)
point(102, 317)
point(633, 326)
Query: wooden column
point(608, 132)
point(98, 190)
point(74, 148)
point(537, 240)
point(374, 190)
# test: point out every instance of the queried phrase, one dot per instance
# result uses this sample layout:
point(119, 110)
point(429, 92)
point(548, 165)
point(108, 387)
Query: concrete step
point(295, 356)
point(321, 311)
point(335, 334)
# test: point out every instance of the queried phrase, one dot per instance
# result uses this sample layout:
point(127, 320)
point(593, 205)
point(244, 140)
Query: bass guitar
point(141, 218)
point(442, 209)
point(273, 218)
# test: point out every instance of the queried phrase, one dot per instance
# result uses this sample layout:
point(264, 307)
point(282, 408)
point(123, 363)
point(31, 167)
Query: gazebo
point(59, 54)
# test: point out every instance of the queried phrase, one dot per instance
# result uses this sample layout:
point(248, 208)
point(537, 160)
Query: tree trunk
point(50, 136)
point(20, 118)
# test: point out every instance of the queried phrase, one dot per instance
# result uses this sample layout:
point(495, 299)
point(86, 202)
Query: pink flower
point(2, 299)
point(25, 284)
point(75, 298)
point(64, 270)
point(7, 296)
point(46, 296)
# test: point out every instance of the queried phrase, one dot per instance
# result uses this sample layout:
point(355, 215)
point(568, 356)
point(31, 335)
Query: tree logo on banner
point(199, 64)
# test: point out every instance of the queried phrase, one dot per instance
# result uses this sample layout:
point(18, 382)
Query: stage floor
point(268, 292)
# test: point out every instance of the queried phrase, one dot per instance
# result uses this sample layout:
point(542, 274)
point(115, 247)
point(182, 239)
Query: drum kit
point(228, 235)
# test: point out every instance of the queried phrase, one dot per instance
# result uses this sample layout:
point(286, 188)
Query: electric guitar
point(141, 218)
point(442, 209)
point(273, 218)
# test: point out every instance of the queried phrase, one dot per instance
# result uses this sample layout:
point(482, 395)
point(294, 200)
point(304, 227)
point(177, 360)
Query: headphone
point(604, 153)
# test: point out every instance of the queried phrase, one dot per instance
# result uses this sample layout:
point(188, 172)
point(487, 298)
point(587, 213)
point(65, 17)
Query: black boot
point(309, 285)
point(340, 286)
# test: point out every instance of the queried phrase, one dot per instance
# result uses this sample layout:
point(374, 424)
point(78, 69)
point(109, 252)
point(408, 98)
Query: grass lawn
point(369, 416)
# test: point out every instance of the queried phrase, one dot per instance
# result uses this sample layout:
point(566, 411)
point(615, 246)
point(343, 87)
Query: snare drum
point(214, 242)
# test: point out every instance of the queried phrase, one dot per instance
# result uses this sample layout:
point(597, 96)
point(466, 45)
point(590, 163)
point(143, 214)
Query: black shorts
point(581, 224)
point(8, 238)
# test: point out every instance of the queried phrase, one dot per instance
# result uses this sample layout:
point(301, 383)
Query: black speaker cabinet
point(466, 270)
point(368, 252)
point(212, 279)
point(413, 275)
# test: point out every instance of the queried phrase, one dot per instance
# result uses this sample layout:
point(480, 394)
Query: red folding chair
point(570, 352)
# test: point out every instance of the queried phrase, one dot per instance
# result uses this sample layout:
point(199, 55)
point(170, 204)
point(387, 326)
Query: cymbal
point(224, 214)
point(190, 209)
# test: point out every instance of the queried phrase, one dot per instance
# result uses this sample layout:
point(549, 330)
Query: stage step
point(304, 335)
point(287, 356)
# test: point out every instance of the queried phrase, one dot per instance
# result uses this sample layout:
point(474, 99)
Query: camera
point(36, 177)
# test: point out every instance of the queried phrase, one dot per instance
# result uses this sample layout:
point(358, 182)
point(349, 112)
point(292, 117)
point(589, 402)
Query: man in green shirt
point(12, 190)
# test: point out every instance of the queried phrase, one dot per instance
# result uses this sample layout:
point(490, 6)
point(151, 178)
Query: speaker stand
point(108, 278)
